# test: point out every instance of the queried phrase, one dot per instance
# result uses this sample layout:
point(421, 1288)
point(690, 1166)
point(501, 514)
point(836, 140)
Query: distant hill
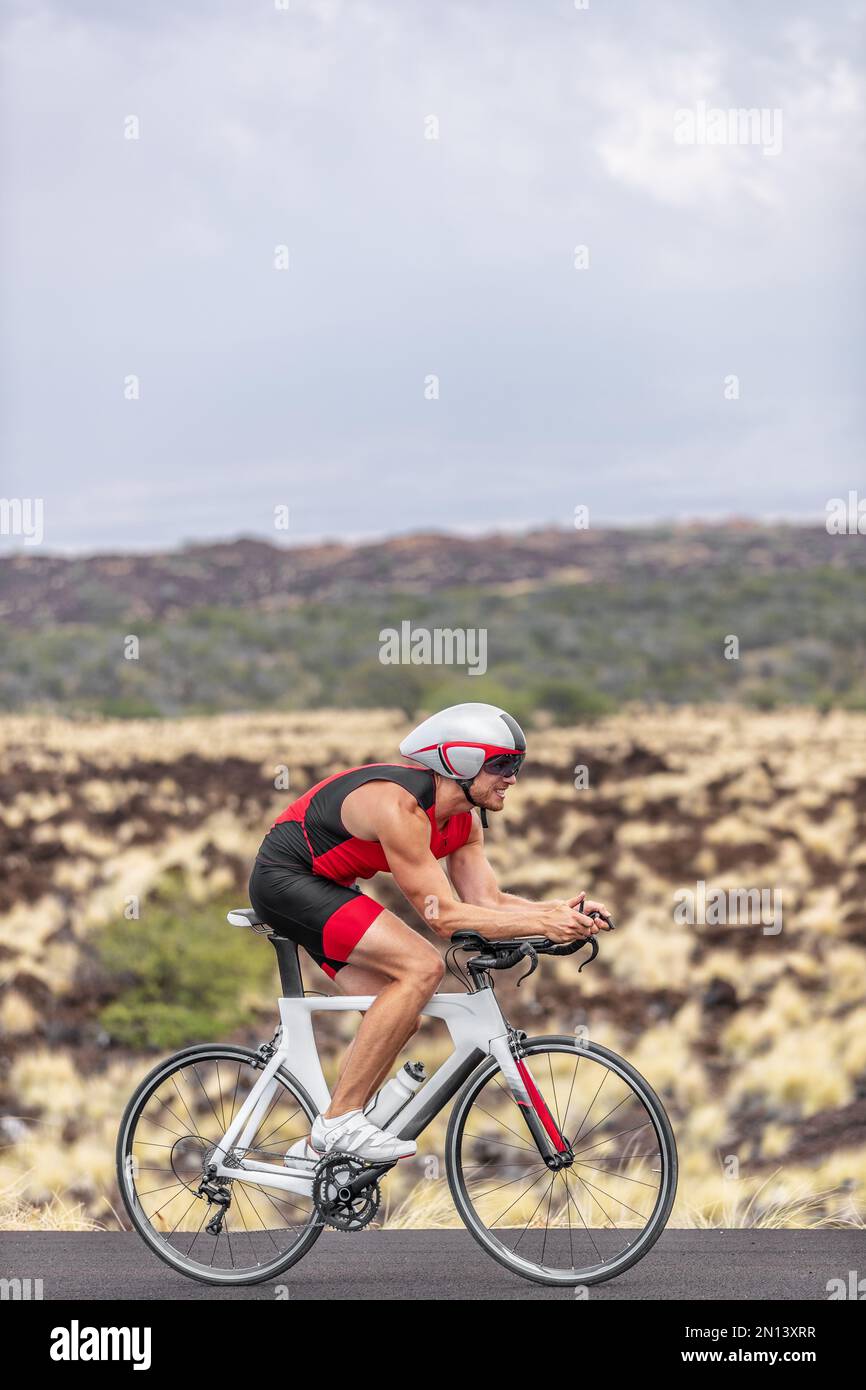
point(575, 622)
point(37, 589)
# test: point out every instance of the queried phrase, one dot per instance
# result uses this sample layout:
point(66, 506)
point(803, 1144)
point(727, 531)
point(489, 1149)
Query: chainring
point(351, 1213)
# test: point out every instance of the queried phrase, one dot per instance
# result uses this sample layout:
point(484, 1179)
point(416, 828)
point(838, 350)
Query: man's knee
point(432, 971)
point(425, 971)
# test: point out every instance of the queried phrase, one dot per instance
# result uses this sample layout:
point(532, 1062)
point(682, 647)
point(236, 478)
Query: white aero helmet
point(458, 741)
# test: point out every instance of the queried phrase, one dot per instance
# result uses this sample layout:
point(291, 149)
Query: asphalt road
point(442, 1265)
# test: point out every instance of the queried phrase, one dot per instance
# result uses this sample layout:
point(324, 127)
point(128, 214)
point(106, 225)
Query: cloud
point(408, 256)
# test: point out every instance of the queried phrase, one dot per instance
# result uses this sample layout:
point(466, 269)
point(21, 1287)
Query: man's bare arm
point(475, 881)
point(403, 831)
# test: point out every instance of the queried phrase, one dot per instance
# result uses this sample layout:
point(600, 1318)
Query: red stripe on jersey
point(352, 859)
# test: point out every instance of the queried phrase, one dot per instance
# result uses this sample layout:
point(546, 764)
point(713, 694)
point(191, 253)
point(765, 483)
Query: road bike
point(560, 1157)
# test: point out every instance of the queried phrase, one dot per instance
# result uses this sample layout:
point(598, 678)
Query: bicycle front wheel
point(583, 1223)
point(165, 1143)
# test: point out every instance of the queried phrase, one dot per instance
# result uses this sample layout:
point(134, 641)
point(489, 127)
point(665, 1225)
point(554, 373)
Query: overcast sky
point(261, 127)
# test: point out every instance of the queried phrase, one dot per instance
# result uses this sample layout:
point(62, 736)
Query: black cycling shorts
point(328, 919)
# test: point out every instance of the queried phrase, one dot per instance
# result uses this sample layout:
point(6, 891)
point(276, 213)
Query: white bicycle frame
point(478, 1030)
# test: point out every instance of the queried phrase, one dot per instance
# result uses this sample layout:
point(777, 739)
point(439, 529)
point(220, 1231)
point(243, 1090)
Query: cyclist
point(402, 819)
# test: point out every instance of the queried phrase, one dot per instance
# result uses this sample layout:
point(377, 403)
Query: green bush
point(128, 707)
point(182, 974)
point(573, 650)
point(571, 699)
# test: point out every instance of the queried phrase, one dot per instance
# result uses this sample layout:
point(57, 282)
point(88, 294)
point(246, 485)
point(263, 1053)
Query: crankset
point(346, 1191)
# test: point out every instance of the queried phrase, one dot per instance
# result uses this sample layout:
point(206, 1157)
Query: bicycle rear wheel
point(584, 1223)
point(168, 1131)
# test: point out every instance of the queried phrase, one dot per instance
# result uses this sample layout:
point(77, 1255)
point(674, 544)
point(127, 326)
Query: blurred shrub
point(182, 974)
point(571, 699)
point(574, 650)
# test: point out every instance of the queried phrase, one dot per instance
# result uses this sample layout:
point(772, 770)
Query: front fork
point(551, 1143)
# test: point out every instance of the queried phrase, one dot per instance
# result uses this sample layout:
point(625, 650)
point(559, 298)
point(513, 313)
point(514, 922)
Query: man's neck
point(450, 800)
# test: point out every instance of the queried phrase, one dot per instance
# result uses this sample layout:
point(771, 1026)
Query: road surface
point(446, 1265)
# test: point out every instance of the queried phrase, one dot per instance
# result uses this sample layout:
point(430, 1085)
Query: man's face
point(491, 788)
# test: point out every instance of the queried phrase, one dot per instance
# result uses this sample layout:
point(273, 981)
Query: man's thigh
point(360, 979)
point(392, 951)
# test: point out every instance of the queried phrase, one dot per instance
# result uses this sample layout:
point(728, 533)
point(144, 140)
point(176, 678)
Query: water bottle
point(396, 1093)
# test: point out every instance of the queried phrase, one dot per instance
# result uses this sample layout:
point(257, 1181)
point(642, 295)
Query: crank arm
point(369, 1175)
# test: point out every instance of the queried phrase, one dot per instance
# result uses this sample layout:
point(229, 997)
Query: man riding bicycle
point(404, 820)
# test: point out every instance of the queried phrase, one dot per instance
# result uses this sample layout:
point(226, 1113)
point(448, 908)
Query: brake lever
point(527, 950)
point(593, 941)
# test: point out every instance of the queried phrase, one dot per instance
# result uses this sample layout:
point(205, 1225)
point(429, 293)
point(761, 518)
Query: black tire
point(667, 1153)
point(125, 1138)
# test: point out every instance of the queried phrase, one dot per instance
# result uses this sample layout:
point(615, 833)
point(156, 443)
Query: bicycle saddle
point(245, 917)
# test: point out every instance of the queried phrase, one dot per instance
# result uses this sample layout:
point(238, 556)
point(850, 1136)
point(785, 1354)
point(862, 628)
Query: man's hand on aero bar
point(565, 921)
point(585, 905)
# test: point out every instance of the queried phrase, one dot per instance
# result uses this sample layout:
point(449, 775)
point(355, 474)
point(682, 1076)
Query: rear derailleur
point(218, 1194)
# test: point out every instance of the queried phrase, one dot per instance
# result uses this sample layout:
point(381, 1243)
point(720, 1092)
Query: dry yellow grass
point(17, 1213)
point(772, 800)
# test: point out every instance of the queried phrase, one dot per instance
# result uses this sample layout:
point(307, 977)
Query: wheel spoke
point(570, 1093)
point(553, 1093)
point(602, 1120)
point(488, 1139)
point(570, 1202)
point(192, 1122)
point(261, 1227)
point(529, 1222)
point(623, 1176)
point(510, 1183)
point(496, 1120)
point(588, 1108)
point(611, 1137)
point(541, 1224)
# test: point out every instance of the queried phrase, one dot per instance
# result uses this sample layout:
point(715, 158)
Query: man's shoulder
point(415, 779)
point(385, 809)
point(388, 785)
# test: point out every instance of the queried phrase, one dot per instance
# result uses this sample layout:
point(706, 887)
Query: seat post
point(290, 967)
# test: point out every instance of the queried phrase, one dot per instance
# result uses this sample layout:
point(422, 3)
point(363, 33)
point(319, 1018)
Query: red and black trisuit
point(303, 881)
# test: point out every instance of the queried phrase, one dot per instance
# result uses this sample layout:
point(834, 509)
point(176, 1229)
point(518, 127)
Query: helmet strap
point(464, 786)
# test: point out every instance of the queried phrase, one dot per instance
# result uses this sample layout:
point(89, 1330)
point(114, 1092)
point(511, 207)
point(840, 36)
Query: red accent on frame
point(540, 1108)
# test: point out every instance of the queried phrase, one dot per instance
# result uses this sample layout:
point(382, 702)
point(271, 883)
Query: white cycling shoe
point(355, 1134)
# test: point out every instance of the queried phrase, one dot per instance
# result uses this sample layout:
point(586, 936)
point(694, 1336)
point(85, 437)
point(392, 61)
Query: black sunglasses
point(504, 764)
